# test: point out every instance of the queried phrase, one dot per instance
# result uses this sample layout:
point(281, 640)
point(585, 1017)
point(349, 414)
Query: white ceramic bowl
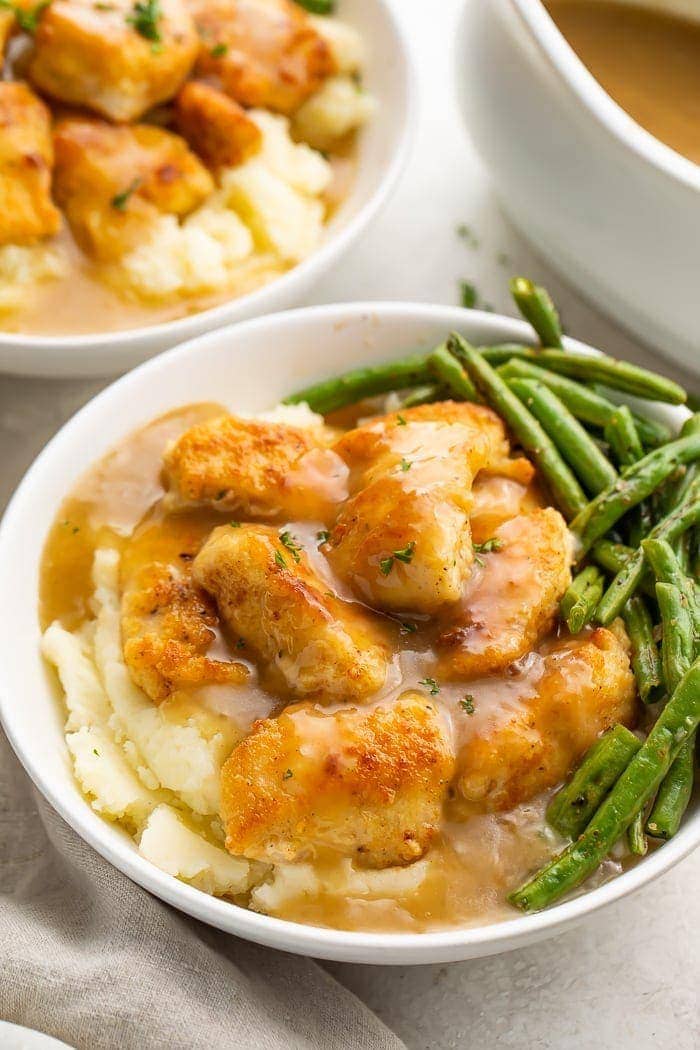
point(248, 367)
point(614, 209)
point(383, 149)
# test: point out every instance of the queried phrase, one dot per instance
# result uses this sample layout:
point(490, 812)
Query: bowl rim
point(590, 93)
point(299, 938)
point(289, 284)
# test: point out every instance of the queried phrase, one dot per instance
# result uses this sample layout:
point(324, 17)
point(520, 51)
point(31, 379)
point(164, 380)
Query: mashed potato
point(22, 267)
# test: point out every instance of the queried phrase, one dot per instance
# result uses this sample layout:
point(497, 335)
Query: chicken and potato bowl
point(160, 157)
point(250, 698)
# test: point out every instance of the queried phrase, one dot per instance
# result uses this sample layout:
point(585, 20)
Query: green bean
point(617, 375)
point(593, 469)
point(673, 795)
point(581, 598)
point(636, 839)
point(332, 394)
point(571, 808)
point(635, 484)
point(583, 402)
point(667, 568)
point(565, 489)
point(318, 7)
point(424, 395)
point(630, 576)
point(646, 659)
point(637, 784)
point(536, 306)
point(447, 369)
point(623, 437)
point(502, 352)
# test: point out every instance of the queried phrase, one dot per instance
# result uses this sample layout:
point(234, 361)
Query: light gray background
point(629, 977)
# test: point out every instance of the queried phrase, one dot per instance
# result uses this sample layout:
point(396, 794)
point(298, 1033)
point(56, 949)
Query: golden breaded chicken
point(366, 784)
point(113, 58)
point(403, 540)
point(263, 53)
point(586, 687)
point(167, 628)
point(257, 469)
point(513, 601)
point(7, 24)
point(113, 181)
point(269, 595)
point(217, 128)
point(26, 156)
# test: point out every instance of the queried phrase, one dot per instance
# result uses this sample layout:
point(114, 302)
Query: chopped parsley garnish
point(219, 50)
point(404, 554)
point(235, 524)
point(400, 420)
point(317, 7)
point(144, 17)
point(120, 201)
point(467, 234)
point(27, 18)
point(408, 628)
point(292, 546)
point(279, 560)
point(73, 528)
point(406, 464)
point(430, 684)
point(287, 774)
point(467, 704)
point(240, 644)
point(486, 547)
point(96, 752)
point(323, 536)
point(467, 295)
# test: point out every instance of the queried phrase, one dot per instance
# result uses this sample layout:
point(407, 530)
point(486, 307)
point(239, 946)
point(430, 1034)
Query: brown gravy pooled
point(647, 61)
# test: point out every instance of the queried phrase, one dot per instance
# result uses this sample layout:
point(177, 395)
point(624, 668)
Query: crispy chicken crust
point(366, 784)
point(26, 157)
point(113, 181)
point(263, 53)
point(320, 645)
point(513, 603)
point(587, 686)
point(90, 54)
point(256, 468)
point(216, 127)
point(403, 540)
point(167, 628)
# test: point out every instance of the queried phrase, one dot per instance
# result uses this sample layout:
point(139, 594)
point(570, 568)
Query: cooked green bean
point(536, 306)
point(332, 394)
point(637, 784)
point(685, 515)
point(424, 395)
point(571, 808)
point(635, 484)
point(593, 469)
point(622, 435)
point(581, 598)
point(447, 369)
point(646, 659)
point(502, 352)
point(636, 839)
point(617, 375)
point(667, 568)
point(673, 795)
point(586, 404)
point(567, 492)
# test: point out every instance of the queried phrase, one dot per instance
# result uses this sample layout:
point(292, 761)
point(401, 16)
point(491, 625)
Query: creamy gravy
point(119, 503)
point(647, 61)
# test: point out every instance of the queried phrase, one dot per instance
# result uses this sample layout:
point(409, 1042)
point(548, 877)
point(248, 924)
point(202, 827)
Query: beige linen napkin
point(91, 958)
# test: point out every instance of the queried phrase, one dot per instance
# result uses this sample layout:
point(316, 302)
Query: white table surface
point(629, 977)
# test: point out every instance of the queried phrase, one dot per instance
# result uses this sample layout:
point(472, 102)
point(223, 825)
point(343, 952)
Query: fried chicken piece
point(366, 784)
point(216, 127)
point(403, 540)
point(7, 23)
point(26, 157)
point(167, 628)
point(264, 53)
point(512, 602)
point(256, 468)
point(113, 58)
point(113, 181)
point(269, 595)
point(586, 687)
